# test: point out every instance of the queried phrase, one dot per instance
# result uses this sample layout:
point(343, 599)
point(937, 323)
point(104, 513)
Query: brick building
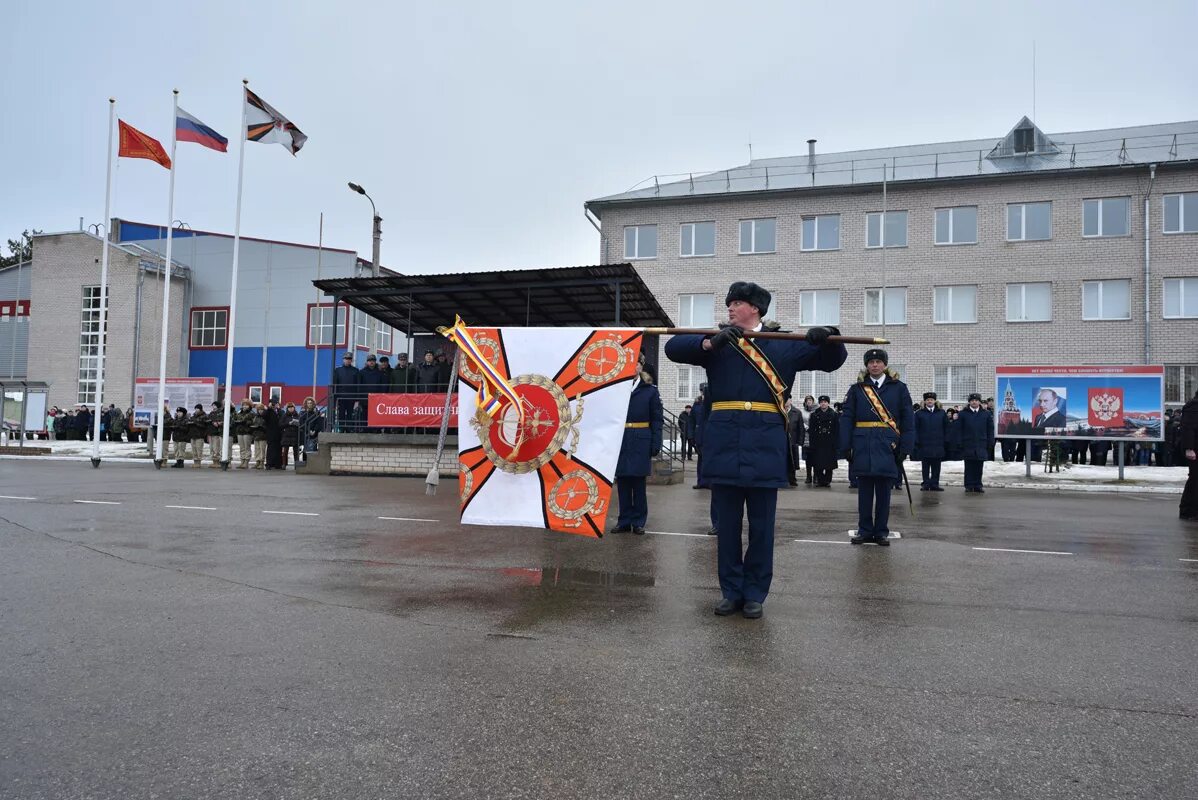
point(1025, 249)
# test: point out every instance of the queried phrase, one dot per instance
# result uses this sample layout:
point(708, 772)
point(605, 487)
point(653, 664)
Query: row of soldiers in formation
point(264, 432)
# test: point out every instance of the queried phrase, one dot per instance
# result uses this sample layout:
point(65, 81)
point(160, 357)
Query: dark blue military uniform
point(744, 452)
point(931, 436)
point(875, 450)
point(642, 441)
point(977, 444)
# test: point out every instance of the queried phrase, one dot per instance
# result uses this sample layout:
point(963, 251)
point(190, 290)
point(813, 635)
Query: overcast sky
point(481, 128)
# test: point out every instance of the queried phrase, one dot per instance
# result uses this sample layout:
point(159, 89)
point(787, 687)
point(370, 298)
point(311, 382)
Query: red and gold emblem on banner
point(542, 435)
point(1106, 407)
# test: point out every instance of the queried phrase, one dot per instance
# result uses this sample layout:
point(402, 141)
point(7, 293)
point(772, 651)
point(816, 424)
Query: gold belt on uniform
point(744, 405)
point(636, 424)
point(871, 425)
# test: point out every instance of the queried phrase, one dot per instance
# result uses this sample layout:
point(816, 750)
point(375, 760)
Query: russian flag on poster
point(190, 129)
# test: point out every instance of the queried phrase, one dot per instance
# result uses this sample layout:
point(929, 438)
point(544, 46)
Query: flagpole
point(226, 449)
point(103, 293)
point(316, 344)
point(166, 291)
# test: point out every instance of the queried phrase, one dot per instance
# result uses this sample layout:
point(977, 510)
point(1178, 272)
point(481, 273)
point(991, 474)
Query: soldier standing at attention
point(977, 441)
point(745, 444)
point(642, 441)
point(931, 436)
point(198, 425)
point(877, 431)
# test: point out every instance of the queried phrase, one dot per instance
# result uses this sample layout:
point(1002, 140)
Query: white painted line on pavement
point(193, 508)
point(13, 497)
point(1190, 560)
point(99, 502)
point(293, 513)
point(671, 533)
point(409, 519)
point(821, 541)
point(1010, 550)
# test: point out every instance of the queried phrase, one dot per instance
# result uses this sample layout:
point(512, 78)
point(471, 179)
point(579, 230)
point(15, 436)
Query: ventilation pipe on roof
point(811, 154)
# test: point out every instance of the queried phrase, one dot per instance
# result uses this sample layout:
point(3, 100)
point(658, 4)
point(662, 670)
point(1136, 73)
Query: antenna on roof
point(750, 146)
point(1034, 121)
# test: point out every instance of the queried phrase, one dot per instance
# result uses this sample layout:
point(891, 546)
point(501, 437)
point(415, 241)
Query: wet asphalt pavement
point(219, 651)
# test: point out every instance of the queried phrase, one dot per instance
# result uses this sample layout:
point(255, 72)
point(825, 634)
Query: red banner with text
point(409, 410)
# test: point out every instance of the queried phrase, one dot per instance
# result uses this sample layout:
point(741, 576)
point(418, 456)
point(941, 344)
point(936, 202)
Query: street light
point(378, 226)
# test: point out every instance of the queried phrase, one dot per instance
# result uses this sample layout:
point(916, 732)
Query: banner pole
point(103, 295)
point(166, 284)
point(226, 446)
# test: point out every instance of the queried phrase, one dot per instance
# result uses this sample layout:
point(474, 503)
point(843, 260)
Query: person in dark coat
point(745, 445)
point(444, 371)
point(345, 389)
point(274, 435)
point(289, 435)
point(403, 379)
point(952, 439)
point(876, 441)
point(795, 429)
point(699, 414)
point(642, 441)
point(822, 433)
point(179, 429)
point(931, 437)
point(684, 433)
point(311, 423)
point(428, 374)
point(1187, 437)
point(977, 441)
point(372, 378)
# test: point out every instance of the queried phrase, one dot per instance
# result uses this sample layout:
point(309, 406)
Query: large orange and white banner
point(548, 462)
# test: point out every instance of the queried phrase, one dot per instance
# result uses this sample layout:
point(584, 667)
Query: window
point(895, 302)
point(1181, 382)
point(276, 394)
point(382, 334)
point(900, 370)
point(209, 328)
point(953, 384)
point(896, 229)
point(689, 379)
point(382, 338)
point(1027, 222)
point(1109, 216)
point(320, 326)
point(696, 310)
point(255, 393)
point(89, 343)
point(955, 304)
point(1029, 302)
point(1181, 213)
point(640, 241)
point(758, 235)
point(1106, 299)
point(819, 307)
point(822, 232)
point(1181, 298)
point(698, 239)
point(957, 225)
point(1024, 140)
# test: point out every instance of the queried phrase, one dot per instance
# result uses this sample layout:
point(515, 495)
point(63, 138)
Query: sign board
point(409, 410)
point(1115, 403)
point(184, 392)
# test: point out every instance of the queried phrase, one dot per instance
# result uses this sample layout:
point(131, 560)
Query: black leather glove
point(729, 334)
point(817, 335)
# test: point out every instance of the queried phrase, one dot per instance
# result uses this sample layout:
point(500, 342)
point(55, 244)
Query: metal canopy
point(591, 296)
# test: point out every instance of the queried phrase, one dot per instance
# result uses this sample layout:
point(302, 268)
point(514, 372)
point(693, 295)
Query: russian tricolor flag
point(190, 129)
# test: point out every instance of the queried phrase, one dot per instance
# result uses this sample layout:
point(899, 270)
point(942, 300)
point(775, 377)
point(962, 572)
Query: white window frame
point(686, 310)
point(815, 219)
point(815, 306)
point(752, 222)
point(882, 305)
point(1184, 382)
point(276, 393)
point(254, 393)
point(220, 331)
point(89, 343)
point(882, 229)
point(952, 242)
point(951, 291)
point(1101, 284)
point(686, 234)
point(636, 256)
point(1181, 213)
point(947, 390)
point(383, 333)
point(688, 386)
point(1023, 301)
point(1184, 285)
point(319, 323)
point(1023, 221)
point(1101, 201)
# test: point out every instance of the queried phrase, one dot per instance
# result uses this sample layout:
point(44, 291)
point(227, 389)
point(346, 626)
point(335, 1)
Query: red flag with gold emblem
point(550, 461)
point(135, 144)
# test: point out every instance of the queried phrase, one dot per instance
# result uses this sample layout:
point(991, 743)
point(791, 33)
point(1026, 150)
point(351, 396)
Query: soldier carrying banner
point(745, 442)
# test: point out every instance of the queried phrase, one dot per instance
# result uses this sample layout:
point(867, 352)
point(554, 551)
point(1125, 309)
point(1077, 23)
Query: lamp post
point(371, 343)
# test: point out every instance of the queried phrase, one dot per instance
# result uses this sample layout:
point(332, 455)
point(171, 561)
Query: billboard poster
point(414, 410)
point(1118, 403)
point(185, 392)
